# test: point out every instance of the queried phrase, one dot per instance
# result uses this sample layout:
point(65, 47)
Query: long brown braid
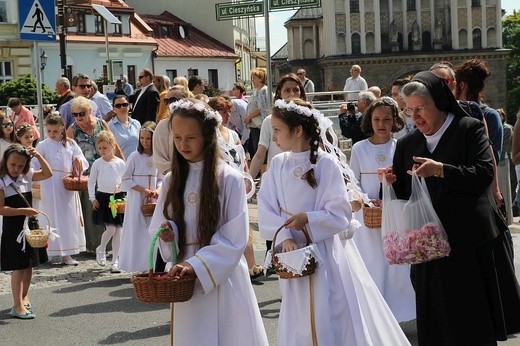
point(314, 143)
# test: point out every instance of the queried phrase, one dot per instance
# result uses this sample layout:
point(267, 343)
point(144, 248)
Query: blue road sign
point(37, 20)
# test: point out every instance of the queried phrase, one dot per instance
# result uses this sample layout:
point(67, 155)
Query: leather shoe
point(25, 316)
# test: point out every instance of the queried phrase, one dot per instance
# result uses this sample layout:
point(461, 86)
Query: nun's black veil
point(440, 93)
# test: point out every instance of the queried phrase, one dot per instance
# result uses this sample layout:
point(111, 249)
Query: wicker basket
point(159, 287)
point(372, 216)
point(282, 272)
point(38, 238)
point(78, 183)
point(121, 206)
point(147, 208)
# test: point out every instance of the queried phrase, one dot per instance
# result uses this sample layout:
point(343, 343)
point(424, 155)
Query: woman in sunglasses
point(84, 130)
point(124, 128)
point(7, 136)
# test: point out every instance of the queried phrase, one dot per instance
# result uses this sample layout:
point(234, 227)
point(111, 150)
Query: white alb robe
point(140, 170)
point(348, 308)
point(393, 281)
point(223, 309)
point(62, 206)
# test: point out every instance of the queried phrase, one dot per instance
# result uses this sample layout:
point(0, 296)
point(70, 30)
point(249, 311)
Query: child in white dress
point(377, 151)
point(61, 205)
point(104, 182)
point(141, 182)
point(202, 207)
point(304, 188)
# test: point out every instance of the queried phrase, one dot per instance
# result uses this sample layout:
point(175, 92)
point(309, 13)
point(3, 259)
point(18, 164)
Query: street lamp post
point(43, 63)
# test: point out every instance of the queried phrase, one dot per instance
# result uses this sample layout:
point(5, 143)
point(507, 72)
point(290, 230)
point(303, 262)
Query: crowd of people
point(197, 158)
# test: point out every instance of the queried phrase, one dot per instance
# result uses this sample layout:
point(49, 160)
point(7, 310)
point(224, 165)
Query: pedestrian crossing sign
point(37, 20)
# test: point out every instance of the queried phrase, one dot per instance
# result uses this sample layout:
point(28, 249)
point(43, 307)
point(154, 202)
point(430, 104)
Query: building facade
point(240, 33)
point(130, 42)
point(184, 50)
point(394, 38)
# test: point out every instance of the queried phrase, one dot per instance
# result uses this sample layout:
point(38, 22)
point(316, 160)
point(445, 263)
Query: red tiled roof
point(141, 33)
point(195, 44)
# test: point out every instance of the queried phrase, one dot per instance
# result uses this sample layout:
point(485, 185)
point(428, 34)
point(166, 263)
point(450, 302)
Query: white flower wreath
point(199, 106)
point(302, 110)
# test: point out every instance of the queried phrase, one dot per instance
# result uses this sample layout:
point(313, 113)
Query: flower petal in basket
point(297, 260)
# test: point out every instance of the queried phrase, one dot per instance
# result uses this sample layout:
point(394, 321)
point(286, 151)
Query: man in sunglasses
point(81, 87)
point(146, 100)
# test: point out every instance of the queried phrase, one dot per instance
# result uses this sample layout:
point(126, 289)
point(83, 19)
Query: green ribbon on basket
point(112, 204)
point(152, 248)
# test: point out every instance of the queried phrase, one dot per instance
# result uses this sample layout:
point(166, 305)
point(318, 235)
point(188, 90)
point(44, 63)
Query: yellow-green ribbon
point(113, 204)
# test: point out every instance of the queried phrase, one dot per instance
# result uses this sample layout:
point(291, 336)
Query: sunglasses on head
point(83, 86)
point(170, 100)
point(141, 77)
point(78, 114)
point(6, 125)
point(121, 105)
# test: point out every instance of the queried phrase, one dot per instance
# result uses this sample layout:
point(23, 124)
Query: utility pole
point(62, 34)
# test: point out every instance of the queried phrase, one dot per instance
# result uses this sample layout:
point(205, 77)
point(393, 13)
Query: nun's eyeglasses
point(418, 110)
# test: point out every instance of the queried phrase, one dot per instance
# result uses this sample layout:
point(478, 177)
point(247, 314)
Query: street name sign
point(232, 10)
point(287, 4)
point(37, 20)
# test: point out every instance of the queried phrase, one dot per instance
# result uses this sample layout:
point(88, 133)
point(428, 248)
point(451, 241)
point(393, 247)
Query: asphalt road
point(86, 305)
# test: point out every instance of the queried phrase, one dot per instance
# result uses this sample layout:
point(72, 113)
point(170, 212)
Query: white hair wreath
point(302, 110)
point(200, 106)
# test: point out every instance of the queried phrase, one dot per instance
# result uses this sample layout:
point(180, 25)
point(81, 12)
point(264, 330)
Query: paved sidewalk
point(51, 275)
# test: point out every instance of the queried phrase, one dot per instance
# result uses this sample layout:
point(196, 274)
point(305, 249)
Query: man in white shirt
point(308, 85)
point(355, 83)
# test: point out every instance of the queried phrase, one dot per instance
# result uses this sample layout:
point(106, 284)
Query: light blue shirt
point(102, 102)
point(126, 137)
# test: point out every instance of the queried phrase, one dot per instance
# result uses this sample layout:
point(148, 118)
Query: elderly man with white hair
point(354, 84)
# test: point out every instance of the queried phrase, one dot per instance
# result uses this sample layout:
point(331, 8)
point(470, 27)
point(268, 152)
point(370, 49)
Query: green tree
point(24, 87)
point(511, 40)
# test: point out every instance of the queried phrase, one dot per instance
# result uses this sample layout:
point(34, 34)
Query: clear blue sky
point(279, 33)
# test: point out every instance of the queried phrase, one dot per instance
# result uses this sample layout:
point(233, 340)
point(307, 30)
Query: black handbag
point(32, 223)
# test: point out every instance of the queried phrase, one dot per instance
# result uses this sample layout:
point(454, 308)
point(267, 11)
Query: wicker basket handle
point(152, 248)
point(303, 230)
point(148, 198)
point(46, 216)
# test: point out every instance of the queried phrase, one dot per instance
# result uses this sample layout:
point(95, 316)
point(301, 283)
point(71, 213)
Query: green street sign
point(285, 4)
point(230, 10)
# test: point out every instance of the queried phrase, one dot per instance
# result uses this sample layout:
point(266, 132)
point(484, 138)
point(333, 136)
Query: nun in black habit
point(471, 297)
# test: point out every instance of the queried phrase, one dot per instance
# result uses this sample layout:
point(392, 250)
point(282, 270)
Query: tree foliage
point(24, 87)
point(511, 40)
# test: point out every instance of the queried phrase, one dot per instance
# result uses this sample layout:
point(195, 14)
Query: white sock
point(106, 236)
point(116, 245)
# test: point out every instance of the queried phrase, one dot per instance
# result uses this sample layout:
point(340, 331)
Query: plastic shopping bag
point(412, 232)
